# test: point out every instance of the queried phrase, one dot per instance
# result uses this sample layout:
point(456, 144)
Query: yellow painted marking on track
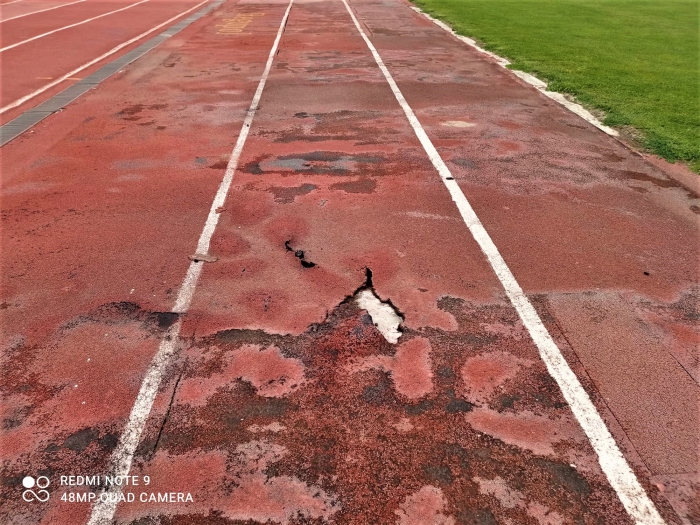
point(236, 25)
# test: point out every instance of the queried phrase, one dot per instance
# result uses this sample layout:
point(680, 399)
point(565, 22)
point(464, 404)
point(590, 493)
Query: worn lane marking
point(538, 84)
point(13, 2)
point(94, 61)
point(40, 11)
point(103, 510)
point(619, 474)
point(236, 24)
point(70, 26)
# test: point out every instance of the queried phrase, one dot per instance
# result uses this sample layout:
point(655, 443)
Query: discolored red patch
point(251, 212)
point(410, 368)
point(510, 498)
point(286, 228)
point(507, 124)
point(272, 427)
point(75, 390)
point(255, 496)
point(268, 371)
point(194, 391)
point(483, 373)
point(424, 507)
point(508, 146)
point(229, 244)
point(266, 302)
point(272, 374)
point(194, 473)
point(525, 430)
point(544, 515)
point(404, 425)
point(279, 499)
point(497, 487)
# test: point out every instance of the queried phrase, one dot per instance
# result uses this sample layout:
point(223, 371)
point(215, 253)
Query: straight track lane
point(95, 242)
point(17, 30)
point(70, 26)
point(3, 19)
point(47, 63)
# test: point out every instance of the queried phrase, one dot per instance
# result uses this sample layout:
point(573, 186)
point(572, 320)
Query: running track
point(32, 66)
point(263, 387)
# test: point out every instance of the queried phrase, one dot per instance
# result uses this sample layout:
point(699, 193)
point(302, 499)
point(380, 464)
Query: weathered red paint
point(285, 403)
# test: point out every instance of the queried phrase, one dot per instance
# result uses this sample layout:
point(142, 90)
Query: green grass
point(637, 60)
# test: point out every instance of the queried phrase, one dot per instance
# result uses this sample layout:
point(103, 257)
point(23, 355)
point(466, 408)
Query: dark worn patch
point(80, 440)
point(362, 185)
point(287, 195)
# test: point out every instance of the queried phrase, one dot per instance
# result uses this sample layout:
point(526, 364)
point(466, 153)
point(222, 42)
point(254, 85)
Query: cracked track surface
point(284, 403)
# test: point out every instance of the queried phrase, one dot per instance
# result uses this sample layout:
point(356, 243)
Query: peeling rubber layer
point(383, 315)
point(31, 117)
point(620, 475)
point(104, 508)
point(538, 84)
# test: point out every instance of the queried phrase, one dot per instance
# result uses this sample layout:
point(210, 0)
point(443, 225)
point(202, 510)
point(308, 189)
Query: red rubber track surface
point(24, 7)
point(30, 66)
point(284, 403)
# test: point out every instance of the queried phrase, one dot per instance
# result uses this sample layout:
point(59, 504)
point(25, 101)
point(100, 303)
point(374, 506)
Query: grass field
point(637, 60)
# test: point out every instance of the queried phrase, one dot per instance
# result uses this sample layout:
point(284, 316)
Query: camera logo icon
point(40, 483)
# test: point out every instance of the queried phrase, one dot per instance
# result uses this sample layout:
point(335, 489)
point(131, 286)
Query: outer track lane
point(36, 9)
point(36, 63)
point(606, 240)
point(147, 183)
point(19, 29)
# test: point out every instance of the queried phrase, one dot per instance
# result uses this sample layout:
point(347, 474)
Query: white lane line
point(69, 75)
point(40, 11)
point(527, 77)
point(13, 2)
point(619, 474)
point(70, 26)
point(103, 509)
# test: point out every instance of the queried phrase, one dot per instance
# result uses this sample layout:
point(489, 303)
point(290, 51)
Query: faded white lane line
point(103, 510)
point(40, 11)
point(527, 77)
point(13, 2)
point(619, 474)
point(70, 26)
point(68, 76)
